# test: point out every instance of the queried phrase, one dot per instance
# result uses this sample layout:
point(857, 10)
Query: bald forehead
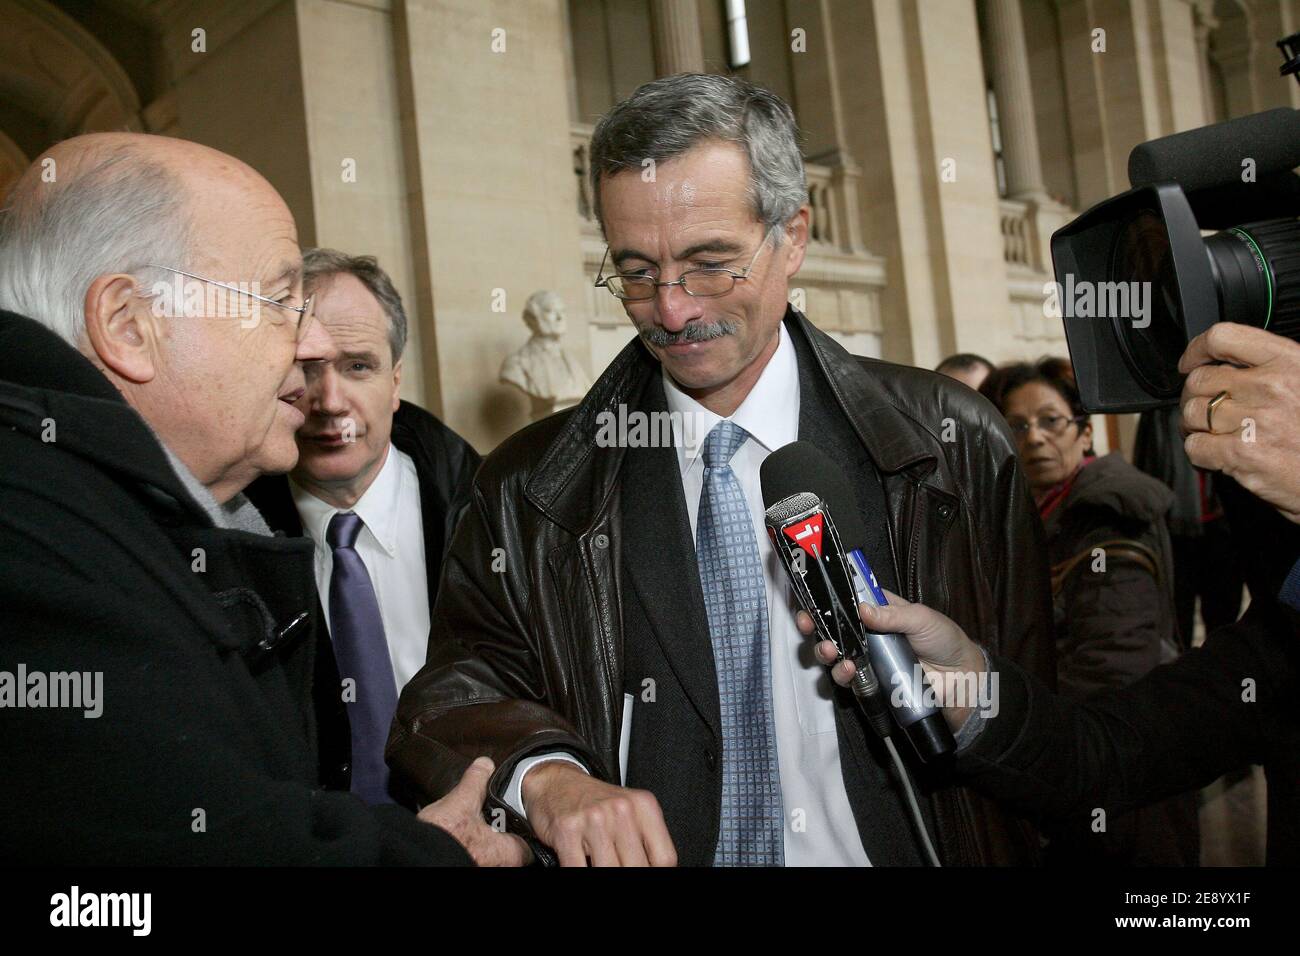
point(200, 170)
point(199, 210)
point(243, 227)
point(185, 159)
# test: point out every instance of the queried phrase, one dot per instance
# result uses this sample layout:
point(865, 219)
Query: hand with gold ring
point(1215, 402)
point(1241, 410)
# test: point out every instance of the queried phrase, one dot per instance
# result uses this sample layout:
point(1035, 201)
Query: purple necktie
point(362, 653)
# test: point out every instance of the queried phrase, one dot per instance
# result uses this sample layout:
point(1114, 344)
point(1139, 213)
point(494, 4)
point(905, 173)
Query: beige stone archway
point(1238, 43)
point(58, 78)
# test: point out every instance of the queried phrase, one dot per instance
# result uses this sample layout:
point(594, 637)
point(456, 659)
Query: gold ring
point(1215, 402)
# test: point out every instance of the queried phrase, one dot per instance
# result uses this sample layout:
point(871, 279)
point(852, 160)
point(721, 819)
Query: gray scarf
point(237, 514)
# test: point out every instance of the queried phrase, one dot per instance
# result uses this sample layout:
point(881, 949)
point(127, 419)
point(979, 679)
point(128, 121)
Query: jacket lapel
point(659, 554)
point(274, 499)
point(445, 466)
point(824, 424)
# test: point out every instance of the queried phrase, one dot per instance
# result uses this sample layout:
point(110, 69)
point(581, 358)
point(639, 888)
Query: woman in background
point(1112, 588)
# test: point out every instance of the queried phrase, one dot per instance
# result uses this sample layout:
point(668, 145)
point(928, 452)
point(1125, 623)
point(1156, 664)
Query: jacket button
point(710, 758)
point(601, 540)
point(945, 511)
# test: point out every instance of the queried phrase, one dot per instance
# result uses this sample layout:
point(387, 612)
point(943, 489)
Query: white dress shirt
point(391, 544)
point(820, 829)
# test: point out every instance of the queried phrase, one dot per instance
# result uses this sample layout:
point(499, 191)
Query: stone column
point(1205, 24)
point(911, 92)
point(1009, 64)
point(677, 37)
point(483, 94)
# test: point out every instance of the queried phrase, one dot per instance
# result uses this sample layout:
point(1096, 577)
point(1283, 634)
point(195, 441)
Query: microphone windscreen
point(803, 467)
point(1212, 155)
point(1273, 196)
point(785, 509)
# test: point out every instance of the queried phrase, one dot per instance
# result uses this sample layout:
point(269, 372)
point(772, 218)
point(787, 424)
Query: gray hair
point(666, 117)
point(121, 213)
point(318, 264)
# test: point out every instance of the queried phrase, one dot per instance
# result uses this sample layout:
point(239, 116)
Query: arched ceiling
point(56, 79)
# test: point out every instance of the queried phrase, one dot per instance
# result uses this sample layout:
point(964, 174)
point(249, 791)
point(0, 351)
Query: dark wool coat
point(203, 637)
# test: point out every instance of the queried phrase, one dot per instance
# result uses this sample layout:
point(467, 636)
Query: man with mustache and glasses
point(379, 486)
point(613, 627)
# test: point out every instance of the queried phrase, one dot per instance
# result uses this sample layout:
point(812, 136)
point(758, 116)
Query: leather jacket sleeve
point(478, 693)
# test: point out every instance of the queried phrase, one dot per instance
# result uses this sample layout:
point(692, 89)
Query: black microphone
point(1207, 164)
point(1211, 156)
point(830, 576)
point(808, 544)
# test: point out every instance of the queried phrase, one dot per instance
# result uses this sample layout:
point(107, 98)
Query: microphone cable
point(866, 691)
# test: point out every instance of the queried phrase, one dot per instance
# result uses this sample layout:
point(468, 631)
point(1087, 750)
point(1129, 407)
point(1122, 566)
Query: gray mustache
point(693, 332)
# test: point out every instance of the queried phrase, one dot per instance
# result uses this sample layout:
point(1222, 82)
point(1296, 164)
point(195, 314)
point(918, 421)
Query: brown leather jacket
point(526, 652)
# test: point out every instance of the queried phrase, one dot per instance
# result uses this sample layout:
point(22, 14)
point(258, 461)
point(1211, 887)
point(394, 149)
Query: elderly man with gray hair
point(614, 628)
point(157, 369)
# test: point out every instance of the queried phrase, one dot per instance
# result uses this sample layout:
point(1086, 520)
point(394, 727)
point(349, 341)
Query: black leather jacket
point(527, 647)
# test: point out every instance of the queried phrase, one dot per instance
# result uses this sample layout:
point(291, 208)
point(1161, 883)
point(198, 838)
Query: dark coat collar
point(1112, 484)
point(574, 477)
point(45, 380)
point(261, 584)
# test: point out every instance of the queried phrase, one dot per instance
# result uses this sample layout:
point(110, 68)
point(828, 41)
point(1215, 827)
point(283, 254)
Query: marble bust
point(541, 369)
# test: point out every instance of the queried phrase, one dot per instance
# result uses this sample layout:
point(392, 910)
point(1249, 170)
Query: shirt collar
point(769, 413)
point(377, 506)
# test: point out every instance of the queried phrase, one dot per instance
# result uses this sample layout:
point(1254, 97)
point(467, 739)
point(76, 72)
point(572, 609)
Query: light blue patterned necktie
point(752, 828)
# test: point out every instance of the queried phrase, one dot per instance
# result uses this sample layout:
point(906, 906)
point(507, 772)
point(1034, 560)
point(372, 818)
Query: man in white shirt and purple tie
point(378, 487)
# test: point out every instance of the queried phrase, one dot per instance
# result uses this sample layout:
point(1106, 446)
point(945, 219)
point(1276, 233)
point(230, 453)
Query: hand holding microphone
point(818, 534)
point(940, 645)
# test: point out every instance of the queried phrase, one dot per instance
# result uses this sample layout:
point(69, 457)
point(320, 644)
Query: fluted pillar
point(678, 48)
point(1009, 64)
point(1204, 23)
